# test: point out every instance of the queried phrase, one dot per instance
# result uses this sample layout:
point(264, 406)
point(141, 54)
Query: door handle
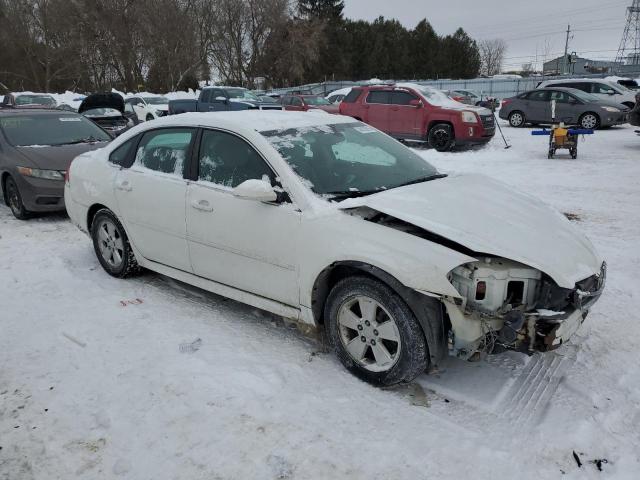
point(202, 205)
point(124, 185)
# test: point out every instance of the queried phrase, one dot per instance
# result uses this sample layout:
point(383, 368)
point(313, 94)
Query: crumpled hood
point(56, 157)
point(488, 217)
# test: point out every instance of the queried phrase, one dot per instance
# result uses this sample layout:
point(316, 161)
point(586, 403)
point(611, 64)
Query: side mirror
point(141, 105)
point(415, 103)
point(258, 190)
point(611, 92)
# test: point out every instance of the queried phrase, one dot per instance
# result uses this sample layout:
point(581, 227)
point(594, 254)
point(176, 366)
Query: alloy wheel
point(516, 119)
point(589, 121)
point(440, 139)
point(369, 333)
point(110, 243)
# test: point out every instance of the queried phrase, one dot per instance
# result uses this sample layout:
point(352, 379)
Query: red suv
point(303, 103)
point(418, 112)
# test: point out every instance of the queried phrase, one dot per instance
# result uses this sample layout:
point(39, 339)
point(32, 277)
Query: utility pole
point(565, 61)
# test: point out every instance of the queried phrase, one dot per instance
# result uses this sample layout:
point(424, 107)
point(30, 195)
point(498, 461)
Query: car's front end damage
point(529, 278)
point(504, 305)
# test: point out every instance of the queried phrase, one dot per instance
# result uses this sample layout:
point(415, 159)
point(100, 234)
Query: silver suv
point(602, 89)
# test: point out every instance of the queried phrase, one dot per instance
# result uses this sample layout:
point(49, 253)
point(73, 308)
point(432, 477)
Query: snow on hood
point(488, 217)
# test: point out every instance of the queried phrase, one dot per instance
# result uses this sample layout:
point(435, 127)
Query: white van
point(603, 89)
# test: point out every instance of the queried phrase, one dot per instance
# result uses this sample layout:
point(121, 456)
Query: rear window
point(50, 129)
point(352, 96)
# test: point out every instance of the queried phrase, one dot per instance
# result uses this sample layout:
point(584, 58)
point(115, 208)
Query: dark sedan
point(36, 149)
point(572, 106)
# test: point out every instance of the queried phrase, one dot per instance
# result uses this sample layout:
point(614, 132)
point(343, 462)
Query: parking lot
point(148, 378)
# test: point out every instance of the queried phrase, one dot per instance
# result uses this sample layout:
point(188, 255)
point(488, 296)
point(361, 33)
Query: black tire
point(574, 152)
point(128, 265)
point(13, 199)
point(411, 353)
point(517, 119)
point(441, 137)
point(585, 120)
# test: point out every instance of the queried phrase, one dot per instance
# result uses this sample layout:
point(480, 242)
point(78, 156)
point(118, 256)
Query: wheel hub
point(369, 333)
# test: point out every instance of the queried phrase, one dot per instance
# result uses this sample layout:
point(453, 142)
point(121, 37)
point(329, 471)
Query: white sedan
point(327, 221)
point(147, 107)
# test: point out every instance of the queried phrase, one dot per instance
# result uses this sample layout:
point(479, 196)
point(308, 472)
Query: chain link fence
point(487, 87)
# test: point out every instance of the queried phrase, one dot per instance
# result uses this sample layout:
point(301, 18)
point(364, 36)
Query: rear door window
point(378, 96)
point(123, 155)
point(165, 150)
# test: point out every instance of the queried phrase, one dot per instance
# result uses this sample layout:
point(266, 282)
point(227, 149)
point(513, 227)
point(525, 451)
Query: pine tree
point(321, 9)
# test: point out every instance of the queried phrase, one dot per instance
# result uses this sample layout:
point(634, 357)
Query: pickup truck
point(221, 99)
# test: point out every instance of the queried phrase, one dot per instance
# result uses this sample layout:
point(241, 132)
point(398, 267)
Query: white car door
point(246, 244)
point(151, 196)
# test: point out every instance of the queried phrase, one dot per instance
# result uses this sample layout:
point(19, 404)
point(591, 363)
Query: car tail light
point(67, 175)
point(505, 102)
point(481, 290)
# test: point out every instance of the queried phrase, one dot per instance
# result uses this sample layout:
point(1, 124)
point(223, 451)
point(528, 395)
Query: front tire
point(14, 201)
point(374, 333)
point(517, 119)
point(589, 121)
point(441, 137)
point(112, 246)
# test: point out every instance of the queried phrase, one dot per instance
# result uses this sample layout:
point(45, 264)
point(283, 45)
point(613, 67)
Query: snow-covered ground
point(103, 378)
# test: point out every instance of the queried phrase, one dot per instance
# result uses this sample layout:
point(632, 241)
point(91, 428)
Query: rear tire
point(441, 137)
point(589, 121)
point(13, 199)
point(374, 333)
point(517, 119)
point(112, 246)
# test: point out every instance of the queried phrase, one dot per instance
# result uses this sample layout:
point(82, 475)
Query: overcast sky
point(526, 26)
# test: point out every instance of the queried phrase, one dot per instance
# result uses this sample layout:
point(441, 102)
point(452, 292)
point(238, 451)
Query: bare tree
point(491, 56)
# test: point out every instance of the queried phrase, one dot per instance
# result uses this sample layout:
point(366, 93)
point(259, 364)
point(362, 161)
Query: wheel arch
point(91, 213)
point(433, 123)
point(429, 311)
point(3, 178)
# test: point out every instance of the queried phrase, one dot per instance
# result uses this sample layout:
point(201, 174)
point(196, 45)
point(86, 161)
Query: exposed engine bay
point(505, 305)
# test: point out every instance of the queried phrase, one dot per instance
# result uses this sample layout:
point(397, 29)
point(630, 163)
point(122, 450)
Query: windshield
point(316, 101)
point(50, 129)
point(35, 100)
point(242, 94)
point(584, 96)
point(156, 100)
point(348, 159)
point(435, 97)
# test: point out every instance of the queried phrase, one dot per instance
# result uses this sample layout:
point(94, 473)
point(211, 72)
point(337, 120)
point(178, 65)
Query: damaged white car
point(329, 222)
